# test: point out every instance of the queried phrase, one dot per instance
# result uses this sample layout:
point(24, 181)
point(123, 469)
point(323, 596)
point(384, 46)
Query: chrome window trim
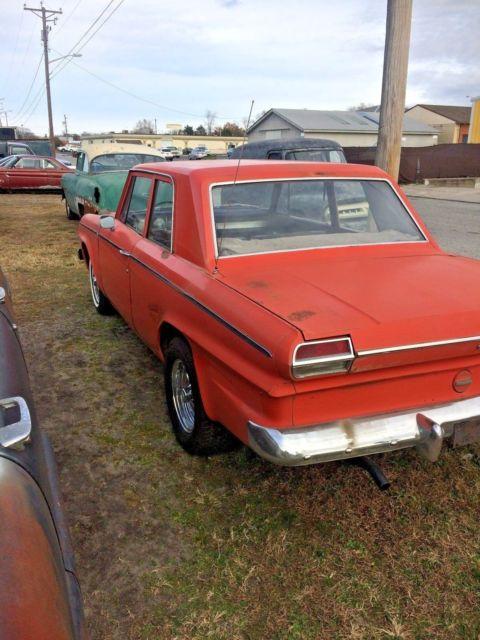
point(418, 345)
point(337, 246)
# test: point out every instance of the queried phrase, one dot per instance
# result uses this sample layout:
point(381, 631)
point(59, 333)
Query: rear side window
point(160, 229)
point(136, 211)
point(28, 163)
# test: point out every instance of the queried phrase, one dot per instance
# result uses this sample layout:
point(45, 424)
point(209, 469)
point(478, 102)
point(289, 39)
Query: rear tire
point(100, 301)
point(193, 429)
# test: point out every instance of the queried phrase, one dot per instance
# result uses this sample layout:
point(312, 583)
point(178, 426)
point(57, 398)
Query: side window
point(47, 164)
point(160, 228)
point(136, 210)
point(28, 163)
point(20, 150)
point(275, 155)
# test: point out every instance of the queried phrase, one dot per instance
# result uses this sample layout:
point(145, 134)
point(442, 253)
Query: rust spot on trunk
point(301, 315)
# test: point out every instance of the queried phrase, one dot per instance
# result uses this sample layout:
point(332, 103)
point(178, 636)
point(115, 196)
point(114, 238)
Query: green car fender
point(101, 190)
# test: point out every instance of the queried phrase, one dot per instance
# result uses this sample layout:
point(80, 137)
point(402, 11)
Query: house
point(348, 128)
point(451, 122)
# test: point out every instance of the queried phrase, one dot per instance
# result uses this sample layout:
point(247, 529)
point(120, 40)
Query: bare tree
point(210, 117)
point(144, 126)
point(362, 106)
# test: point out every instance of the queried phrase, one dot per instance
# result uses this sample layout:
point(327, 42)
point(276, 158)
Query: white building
point(348, 128)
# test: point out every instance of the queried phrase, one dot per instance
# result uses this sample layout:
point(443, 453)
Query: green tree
point(188, 130)
point(200, 130)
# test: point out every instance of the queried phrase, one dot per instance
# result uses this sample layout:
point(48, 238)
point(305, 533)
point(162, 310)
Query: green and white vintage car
point(100, 174)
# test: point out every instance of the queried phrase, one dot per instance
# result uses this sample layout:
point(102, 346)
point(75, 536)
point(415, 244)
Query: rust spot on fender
point(301, 315)
point(257, 284)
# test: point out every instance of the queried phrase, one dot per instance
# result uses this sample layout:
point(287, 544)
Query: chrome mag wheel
point(94, 286)
point(182, 394)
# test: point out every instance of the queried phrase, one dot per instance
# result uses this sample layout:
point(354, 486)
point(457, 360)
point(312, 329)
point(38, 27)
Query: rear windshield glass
point(113, 161)
point(259, 217)
point(316, 155)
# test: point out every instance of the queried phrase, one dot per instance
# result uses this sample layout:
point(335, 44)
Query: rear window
point(116, 161)
point(316, 155)
point(287, 215)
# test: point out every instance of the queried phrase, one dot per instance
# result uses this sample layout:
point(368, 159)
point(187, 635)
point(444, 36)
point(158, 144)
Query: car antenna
point(219, 245)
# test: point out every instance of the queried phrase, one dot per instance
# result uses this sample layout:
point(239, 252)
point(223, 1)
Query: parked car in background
point(40, 595)
point(14, 147)
point(170, 152)
point(100, 174)
point(31, 173)
point(307, 334)
point(302, 149)
point(198, 153)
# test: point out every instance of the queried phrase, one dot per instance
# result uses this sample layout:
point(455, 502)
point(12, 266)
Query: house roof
point(313, 120)
point(460, 115)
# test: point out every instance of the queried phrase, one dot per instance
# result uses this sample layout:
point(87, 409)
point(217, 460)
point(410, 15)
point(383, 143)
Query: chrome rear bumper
point(425, 429)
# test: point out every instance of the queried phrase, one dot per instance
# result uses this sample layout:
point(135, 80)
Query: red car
point(31, 172)
point(302, 307)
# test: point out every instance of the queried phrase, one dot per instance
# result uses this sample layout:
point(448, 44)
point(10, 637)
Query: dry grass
point(173, 547)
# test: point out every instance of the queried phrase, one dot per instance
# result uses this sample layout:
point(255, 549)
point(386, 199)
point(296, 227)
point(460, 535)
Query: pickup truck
point(14, 148)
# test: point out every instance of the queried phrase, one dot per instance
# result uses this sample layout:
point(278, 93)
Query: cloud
point(220, 54)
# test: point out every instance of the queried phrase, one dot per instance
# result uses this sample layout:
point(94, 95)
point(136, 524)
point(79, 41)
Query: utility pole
point(65, 124)
point(394, 85)
point(47, 15)
point(155, 126)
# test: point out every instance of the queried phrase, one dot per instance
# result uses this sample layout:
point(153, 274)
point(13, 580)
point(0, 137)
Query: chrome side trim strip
point(245, 337)
point(419, 345)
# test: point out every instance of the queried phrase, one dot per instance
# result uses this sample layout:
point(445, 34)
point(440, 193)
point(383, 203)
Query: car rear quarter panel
point(33, 595)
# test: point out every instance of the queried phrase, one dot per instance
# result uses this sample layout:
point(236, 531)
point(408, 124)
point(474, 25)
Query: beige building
point(348, 128)
point(214, 144)
point(452, 123)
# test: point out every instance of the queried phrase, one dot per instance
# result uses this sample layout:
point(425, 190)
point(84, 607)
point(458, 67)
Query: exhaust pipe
point(375, 471)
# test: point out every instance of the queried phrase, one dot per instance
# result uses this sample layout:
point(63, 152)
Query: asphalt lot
point(455, 225)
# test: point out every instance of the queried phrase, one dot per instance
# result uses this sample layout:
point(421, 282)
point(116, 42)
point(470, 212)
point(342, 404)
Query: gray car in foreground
point(39, 593)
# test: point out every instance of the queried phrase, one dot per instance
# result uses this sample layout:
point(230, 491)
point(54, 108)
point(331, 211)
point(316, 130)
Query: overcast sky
point(192, 55)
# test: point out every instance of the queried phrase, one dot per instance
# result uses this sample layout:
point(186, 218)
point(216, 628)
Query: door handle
point(124, 253)
point(15, 434)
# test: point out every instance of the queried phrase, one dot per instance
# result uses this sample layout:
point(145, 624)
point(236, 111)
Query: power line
point(67, 18)
point(62, 65)
point(142, 99)
point(15, 46)
point(19, 111)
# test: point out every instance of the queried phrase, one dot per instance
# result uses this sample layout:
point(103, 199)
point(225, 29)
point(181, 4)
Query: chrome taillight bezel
point(325, 365)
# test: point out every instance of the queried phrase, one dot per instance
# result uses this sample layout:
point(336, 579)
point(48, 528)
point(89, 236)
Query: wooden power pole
point(394, 85)
point(47, 15)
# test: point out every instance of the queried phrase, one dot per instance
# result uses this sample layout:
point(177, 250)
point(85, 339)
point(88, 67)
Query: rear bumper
point(423, 428)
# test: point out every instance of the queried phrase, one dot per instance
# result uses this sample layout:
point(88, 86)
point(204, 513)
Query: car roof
point(260, 148)
point(227, 170)
point(102, 148)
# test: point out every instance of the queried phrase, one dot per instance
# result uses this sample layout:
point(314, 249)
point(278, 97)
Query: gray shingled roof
point(460, 115)
point(309, 120)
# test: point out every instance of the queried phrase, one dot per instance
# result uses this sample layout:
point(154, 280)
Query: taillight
point(321, 357)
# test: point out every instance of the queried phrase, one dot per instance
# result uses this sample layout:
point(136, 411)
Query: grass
point(173, 547)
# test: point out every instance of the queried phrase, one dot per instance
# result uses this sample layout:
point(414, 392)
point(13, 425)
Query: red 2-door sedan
point(32, 172)
point(302, 307)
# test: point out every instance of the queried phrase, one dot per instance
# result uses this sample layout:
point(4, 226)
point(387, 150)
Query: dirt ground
point(174, 547)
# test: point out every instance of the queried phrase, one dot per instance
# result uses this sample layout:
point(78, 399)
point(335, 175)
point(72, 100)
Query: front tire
point(100, 301)
point(71, 215)
point(195, 432)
